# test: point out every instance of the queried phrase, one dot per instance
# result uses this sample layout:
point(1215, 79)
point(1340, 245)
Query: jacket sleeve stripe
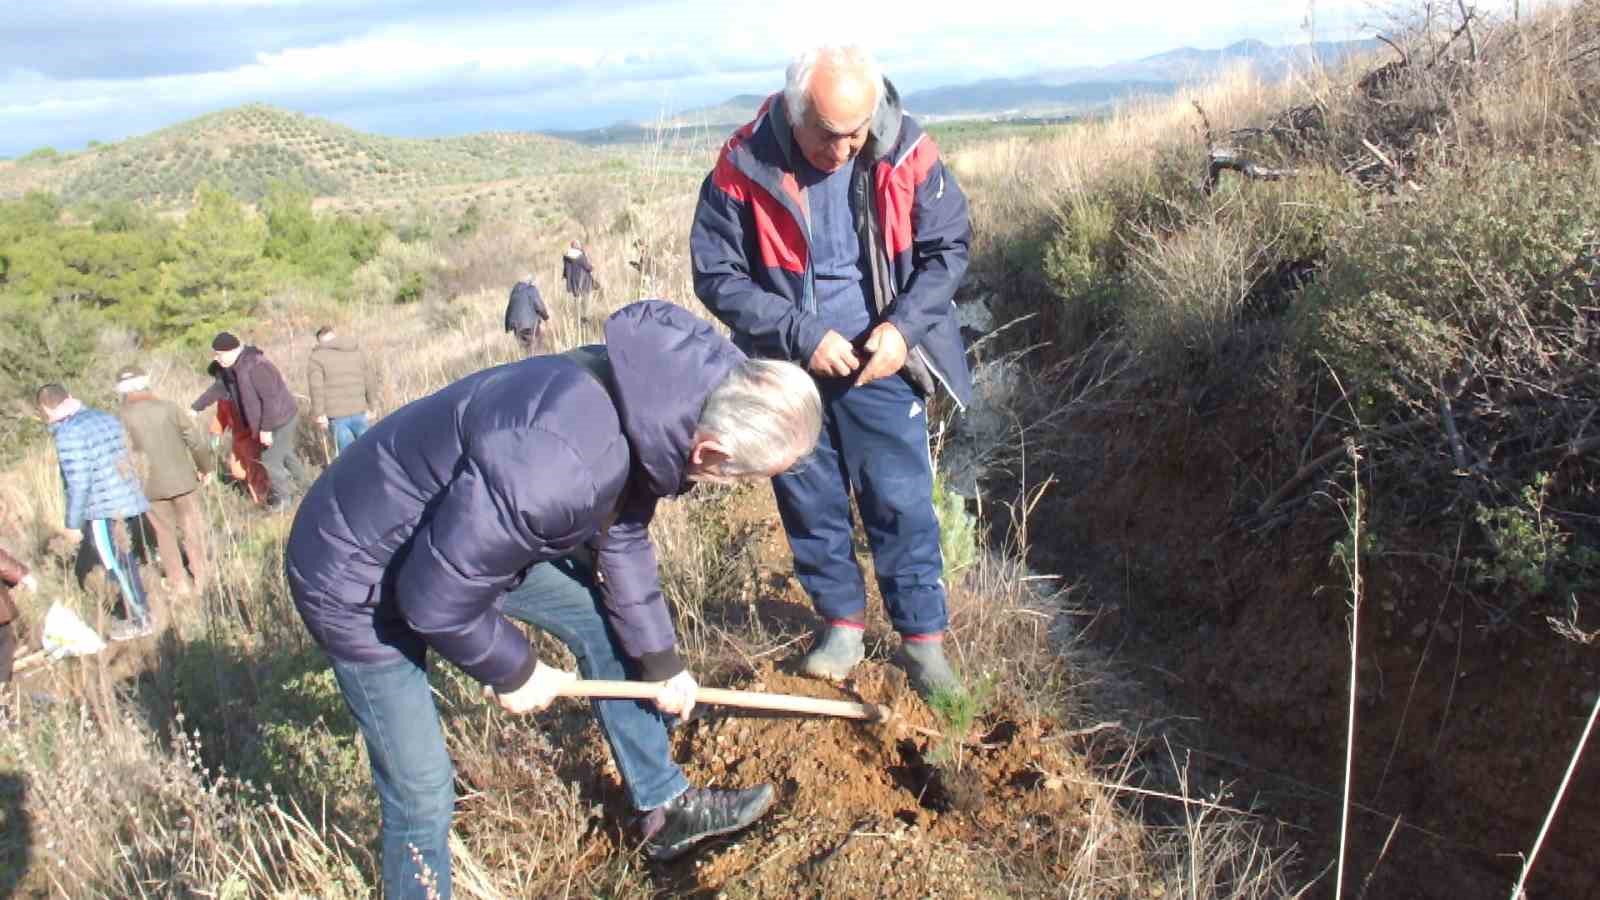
point(778, 235)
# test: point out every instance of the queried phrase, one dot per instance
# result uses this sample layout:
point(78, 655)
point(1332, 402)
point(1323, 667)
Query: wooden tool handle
point(644, 690)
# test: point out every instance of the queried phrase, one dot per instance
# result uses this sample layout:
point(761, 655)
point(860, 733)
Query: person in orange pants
point(244, 464)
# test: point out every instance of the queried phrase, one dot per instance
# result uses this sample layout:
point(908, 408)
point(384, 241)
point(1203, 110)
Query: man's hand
point(833, 357)
point(676, 695)
point(538, 693)
point(323, 421)
point(887, 351)
point(73, 534)
point(30, 583)
point(205, 478)
point(266, 439)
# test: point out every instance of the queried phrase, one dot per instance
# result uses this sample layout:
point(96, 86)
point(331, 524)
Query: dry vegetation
point(1411, 273)
point(219, 760)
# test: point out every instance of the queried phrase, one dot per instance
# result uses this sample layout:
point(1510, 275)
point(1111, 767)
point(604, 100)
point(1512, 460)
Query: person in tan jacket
point(12, 574)
point(343, 387)
point(175, 462)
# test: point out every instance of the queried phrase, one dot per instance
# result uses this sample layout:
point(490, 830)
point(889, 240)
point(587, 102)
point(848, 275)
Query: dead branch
point(1306, 471)
point(1439, 53)
point(1394, 168)
point(1457, 446)
point(1222, 160)
point(1466, 23)
point(1405, 58)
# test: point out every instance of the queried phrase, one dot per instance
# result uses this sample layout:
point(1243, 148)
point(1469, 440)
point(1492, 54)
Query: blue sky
point(75, 70)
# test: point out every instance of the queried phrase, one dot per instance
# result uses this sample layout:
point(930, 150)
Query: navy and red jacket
point(751, 249)
point(410, 538)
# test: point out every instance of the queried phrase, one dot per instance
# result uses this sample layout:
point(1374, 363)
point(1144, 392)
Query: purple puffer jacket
point(258, 392)
point(411, 537)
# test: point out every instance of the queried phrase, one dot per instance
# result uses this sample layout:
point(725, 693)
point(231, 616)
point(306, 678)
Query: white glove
point(539, 691)
point(675, 696)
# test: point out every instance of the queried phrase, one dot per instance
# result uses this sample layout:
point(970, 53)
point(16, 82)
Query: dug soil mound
point(879, 809)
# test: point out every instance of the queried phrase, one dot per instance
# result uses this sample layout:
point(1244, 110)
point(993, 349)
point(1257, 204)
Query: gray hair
point(797, 82)
point(766, 414)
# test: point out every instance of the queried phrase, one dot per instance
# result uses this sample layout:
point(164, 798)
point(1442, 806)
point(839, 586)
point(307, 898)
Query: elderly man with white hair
point(526, 491)
point(831, 234)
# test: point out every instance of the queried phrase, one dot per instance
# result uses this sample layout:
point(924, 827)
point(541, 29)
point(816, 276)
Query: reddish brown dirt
point(1465, 725)
point(862, 811)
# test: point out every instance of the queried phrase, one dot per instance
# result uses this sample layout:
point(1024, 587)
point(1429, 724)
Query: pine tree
point(217, 273)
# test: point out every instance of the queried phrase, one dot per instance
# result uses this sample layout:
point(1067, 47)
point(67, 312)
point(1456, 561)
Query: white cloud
point(616, 54)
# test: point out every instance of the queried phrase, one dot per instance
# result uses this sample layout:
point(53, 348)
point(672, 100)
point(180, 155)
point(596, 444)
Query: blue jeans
point(874, 444)
point(393, 705)
point(346, 429)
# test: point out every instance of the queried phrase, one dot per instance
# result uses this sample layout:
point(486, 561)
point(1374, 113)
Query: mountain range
point(1079, 89)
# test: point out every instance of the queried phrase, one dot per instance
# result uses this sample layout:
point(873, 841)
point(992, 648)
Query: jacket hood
point(665, 362)
point(247, 357)
point(882, 135)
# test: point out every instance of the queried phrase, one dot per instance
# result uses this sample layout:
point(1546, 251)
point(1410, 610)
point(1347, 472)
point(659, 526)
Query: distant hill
point(1081, 89)
point(1027, 96)
point(245, 149)
point(737, 109)
point(1187, 65)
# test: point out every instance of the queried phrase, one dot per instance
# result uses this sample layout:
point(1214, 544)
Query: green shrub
point(1531, 554)
point(958, 530)
point(1468, 268)
point(400, 272)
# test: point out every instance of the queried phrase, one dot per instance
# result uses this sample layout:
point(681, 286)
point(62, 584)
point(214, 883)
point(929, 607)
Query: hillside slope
point(244, 149)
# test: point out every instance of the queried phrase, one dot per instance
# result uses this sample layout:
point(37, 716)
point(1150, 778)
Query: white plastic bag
point(67, 635)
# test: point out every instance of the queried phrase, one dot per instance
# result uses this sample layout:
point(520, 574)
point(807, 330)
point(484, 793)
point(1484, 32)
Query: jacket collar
point(68, 408)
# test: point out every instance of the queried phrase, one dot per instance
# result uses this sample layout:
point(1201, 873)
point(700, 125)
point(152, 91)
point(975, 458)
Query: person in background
point(176, 463)
point(526, 315)
point(526, 491)
point(267, 410)
point(102, 491)
point(344, 387)
point(830, 234)
point(244, 455)
point(12, 574)
point(578, 272)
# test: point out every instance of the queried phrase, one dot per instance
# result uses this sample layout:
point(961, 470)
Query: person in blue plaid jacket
point(101, 491)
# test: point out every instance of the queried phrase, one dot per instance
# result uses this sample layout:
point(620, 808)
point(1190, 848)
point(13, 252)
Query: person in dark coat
point(578, 272)
point(526, 492)
point(244, 449)
point(526, 314)
point(269, 412)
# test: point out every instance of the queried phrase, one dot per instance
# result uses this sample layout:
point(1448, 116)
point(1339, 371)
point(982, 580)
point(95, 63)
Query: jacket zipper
point(884, 290)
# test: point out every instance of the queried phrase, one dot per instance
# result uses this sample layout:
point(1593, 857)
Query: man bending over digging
point(477, 503)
